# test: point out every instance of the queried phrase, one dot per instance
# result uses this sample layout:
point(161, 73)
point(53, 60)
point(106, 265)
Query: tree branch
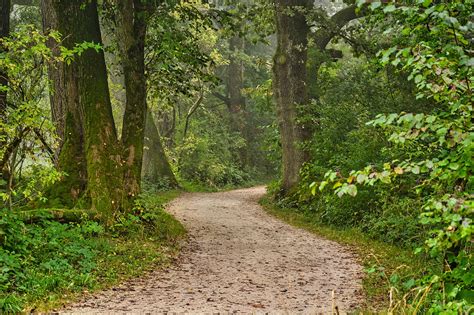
point(192, 110)
point(45, 144)
point(223, 98)
point(12, 146)
point(323, 36)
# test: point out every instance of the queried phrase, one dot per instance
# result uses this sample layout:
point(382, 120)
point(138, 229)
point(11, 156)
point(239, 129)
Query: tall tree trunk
point(290, 86)
point(155, 166)
point(236, 101)
point(64, 99)
point(291, 78)
point(5, 6)
point(101, 146)
point(93, 110)
point(132, 31)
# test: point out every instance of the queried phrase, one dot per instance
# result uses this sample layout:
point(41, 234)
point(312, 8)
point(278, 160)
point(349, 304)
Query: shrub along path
point(240, 259)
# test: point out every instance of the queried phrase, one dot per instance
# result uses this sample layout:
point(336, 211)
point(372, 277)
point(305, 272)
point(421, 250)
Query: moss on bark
point(90, 147)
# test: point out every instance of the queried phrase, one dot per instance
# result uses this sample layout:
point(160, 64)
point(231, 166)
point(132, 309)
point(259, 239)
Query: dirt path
point(239, 259)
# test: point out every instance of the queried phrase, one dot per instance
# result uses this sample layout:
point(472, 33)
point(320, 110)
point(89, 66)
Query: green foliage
point(439, 165)
point(352, 91)
point(209, 160)
point(49, 258)
point(25, 120)
point(46, 257)
point(26, 131)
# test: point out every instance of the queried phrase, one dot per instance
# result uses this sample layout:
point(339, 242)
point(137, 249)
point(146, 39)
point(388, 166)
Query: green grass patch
point(198, 187)
point(46, 264)
point(387, 267)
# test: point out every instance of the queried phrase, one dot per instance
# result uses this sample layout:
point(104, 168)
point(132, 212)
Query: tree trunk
point(290, 86)
point(91, 107)
point(236, 101)
point(132, 31)
point(155, 166)
point(101, 146)
point(291, 79)
point(64, 99)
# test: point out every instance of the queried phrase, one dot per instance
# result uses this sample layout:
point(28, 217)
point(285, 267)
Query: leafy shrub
point(210, 162)
point(47, 258)
point(438, 165)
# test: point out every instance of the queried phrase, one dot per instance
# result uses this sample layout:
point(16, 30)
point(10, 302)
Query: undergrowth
point(48, 263)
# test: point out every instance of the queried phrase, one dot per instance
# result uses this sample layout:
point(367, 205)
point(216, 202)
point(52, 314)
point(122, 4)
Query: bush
point(49, 258)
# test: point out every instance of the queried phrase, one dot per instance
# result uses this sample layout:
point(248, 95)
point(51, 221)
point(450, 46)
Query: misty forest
point(224, 156)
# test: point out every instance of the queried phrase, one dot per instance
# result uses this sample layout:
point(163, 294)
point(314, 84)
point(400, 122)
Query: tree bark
point(291, 79)
point(131, 16)
point(155, 166)
point(65, 105)
point(90, 108)
point(101, 146)
point(290, 86)
point(236, 101)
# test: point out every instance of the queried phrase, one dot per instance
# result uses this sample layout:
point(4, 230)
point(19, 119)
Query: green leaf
point(389, 8)
point(322, 185)
point(409, 284)
point(416, 170)
point(352, 190)
point(376, 4)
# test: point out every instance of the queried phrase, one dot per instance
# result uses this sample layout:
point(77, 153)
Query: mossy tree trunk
point(104, 167)
point(64, 99)
point(131, 18)
point(155, 166)
point(93, 110)
point(290, 86)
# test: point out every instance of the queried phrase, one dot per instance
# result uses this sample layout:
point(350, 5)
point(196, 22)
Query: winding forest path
point(239, 259)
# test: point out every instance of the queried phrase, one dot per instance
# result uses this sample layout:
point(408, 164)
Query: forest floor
point(239, 259)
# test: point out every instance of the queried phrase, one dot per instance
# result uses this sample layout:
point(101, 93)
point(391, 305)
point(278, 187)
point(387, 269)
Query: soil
point(239, 259)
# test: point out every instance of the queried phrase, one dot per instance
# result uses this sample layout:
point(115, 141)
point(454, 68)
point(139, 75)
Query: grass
point(62, 262)
point(386, 266)
point(198, 187)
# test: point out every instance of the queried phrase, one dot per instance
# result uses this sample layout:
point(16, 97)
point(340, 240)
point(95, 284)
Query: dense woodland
point(357, 114)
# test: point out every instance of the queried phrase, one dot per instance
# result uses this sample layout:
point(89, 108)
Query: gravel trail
point(239, 259)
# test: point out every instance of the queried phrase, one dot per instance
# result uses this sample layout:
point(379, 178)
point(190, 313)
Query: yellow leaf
point(398, 170)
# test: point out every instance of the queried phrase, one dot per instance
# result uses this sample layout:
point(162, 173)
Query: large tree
point(156, 167)
point(234, 99)
point(290, 84)
point(65, 108)
point(291, 77)
point(79, 22)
